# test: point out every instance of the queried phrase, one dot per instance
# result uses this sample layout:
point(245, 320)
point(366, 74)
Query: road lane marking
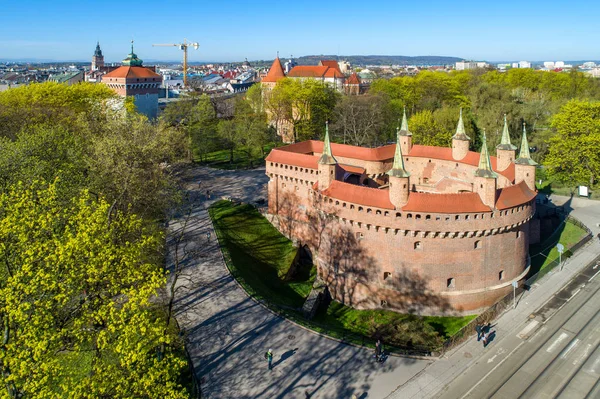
point(557, 342)
point(491, 359)
point(575, 293)
point(586, 351)
point(525, 332)
point(569, 348)
point(492, 370)
point(591, 278)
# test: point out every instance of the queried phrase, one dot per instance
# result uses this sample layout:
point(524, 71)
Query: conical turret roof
point(275, 72)
point(327, 157)
point(460, 130)
point(404, 127)
point(398, 166)
point(524, 156)
point(505, 143)
point(485, 167)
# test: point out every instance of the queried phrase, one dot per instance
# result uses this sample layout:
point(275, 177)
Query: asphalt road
point(555, 354)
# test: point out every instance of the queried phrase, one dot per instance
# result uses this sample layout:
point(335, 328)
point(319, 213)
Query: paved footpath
point(227, 332)
point(430, 383)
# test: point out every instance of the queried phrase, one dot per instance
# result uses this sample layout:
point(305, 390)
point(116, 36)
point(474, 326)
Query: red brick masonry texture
point(443, 252)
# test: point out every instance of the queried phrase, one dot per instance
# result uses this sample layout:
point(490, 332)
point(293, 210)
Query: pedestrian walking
point(478, 329)
point(269, 357)
point(485, 339)
point(378, 349)
point(199, 183)
point(207, 194)
point(208, 236)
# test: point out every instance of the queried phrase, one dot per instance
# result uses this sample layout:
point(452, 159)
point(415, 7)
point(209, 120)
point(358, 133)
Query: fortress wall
point(468, 223)
point(370, 258)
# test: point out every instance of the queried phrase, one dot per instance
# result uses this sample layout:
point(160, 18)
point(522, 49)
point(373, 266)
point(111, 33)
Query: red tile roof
point(353, 169)
point(293, 158)
point(387, 152)
point(353, 79)
point(333, 73)
point(331, 64)
point(308, 71)
point(445, 203)
point(132, 72)
point(275, 73)
point(359, 194)
point(514, 196)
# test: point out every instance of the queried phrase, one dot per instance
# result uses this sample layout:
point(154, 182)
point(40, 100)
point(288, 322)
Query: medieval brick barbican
point(409, 228)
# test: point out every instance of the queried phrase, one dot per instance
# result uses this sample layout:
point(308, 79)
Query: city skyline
point(63, 31)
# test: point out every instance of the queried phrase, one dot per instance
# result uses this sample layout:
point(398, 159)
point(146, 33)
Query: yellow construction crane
point(183, 46)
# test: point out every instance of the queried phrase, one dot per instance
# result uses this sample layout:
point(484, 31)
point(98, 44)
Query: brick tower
point(485, 178)
point(327, 163)
point(97, 58)
point(524, 165)
point(399, 178)
point(505, 151)
point(460, 140)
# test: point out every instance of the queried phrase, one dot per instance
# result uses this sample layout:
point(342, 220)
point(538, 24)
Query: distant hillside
point(380, 59)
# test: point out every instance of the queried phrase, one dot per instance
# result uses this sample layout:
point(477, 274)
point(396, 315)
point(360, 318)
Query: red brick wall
point(371, 256)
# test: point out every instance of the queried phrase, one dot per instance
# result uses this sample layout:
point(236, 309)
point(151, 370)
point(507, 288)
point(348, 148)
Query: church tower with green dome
point(137, 81)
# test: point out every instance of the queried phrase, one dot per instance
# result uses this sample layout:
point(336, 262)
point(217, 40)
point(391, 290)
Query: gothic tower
point(505, 151)
point(485, 178)
point(524, 165)
point(327, 163)
point(97, 58)
point(460, 140)
point(398, 176)
point(404, 136)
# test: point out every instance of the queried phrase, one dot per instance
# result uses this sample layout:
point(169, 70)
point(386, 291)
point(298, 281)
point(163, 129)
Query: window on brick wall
point(450, 283)
point(418, 245)
point(386, 275)
point(501, 275)
point(477, 244)
point(359, 235)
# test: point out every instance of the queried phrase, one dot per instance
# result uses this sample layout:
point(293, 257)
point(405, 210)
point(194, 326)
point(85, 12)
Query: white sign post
point(560, 248)
point(515, 285)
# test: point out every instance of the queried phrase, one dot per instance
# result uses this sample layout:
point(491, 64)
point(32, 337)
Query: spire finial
point(505, 143)
point(460, 129)
point(398, 166)
point(404, 127)
point(524, 156)
point(327, 157)
point(485, 167)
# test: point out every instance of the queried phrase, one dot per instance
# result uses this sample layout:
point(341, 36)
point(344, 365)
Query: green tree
point(574, 152)
point(129, 165)
point(426, 131)
point(75, 288)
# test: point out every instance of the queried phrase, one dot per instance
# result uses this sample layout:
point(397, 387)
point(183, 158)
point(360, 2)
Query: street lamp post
point(515, 284)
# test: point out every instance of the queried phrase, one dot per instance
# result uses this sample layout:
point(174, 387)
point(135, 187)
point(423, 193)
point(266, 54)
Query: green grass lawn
point(220, 159)
point(259, 257)
point(545, 255)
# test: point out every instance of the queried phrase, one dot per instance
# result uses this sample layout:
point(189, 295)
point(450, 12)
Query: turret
point(399, 178)
point(505, 151)
point(485, 178)
point(404, 136)
point(327, 163)
point(460, 140)
point(524, 165)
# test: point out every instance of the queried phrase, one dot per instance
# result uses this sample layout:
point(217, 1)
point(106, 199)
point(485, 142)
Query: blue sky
point(257, 29)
